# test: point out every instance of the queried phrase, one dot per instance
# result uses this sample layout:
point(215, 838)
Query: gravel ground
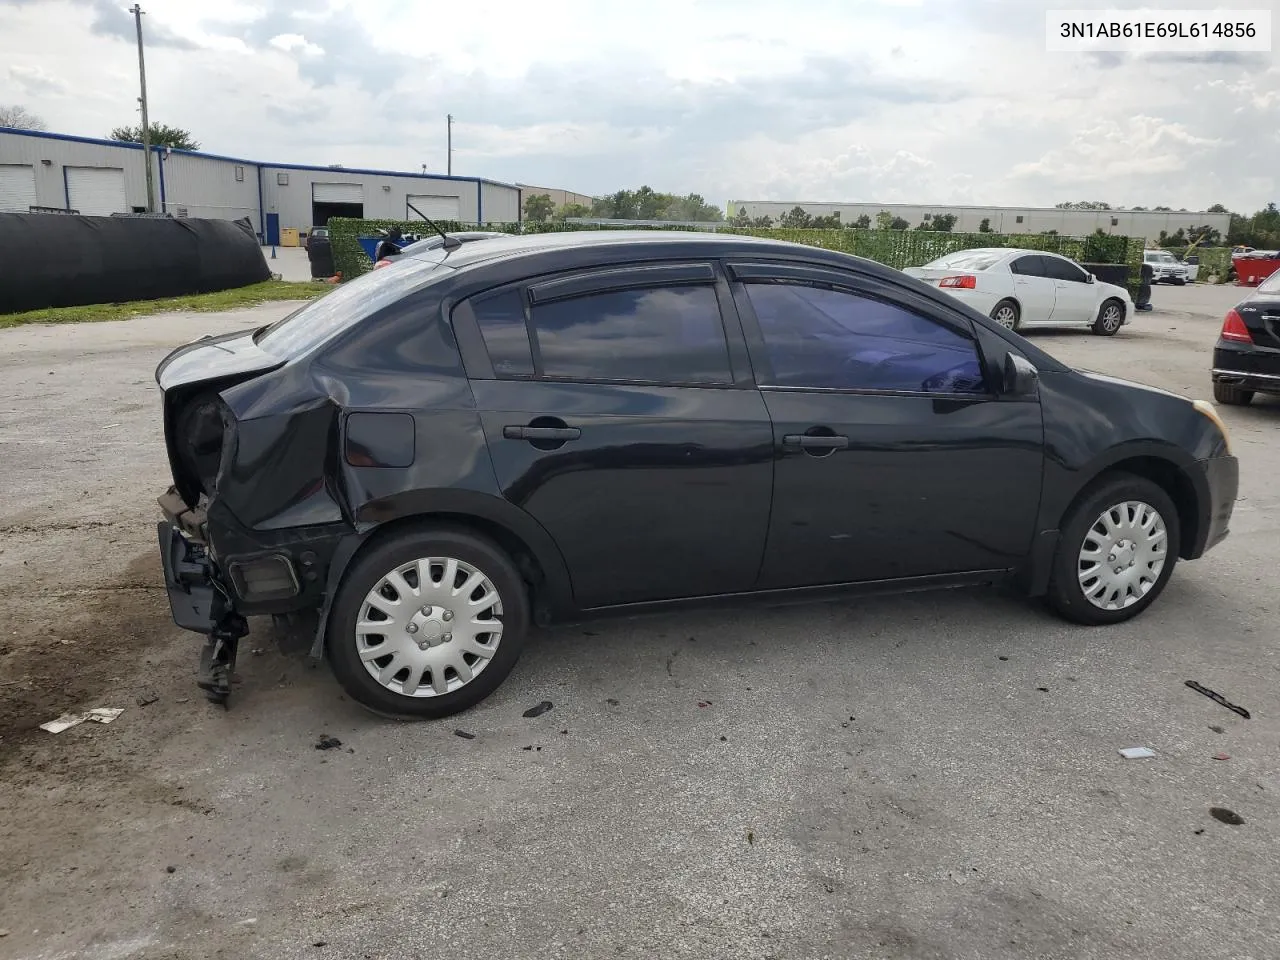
point(930, 776)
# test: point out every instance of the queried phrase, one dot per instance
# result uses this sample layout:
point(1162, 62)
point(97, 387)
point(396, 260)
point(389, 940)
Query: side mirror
point(1092, 278)
point(1021, 378)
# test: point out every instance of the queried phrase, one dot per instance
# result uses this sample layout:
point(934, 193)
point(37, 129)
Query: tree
point(1083, 205)
point(796, 219)
point(20, 118)
point(538, 207)
point(162, 135)
point(1217, 208)
point(862, 223)
point(944, 222)
point(648, 204)
point(897, 223)
point(985, 225)
point(1163, 209)
point(572, 210)
point(884, 220)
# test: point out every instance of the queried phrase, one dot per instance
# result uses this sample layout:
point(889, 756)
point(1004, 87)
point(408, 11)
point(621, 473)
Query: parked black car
point(544, 427)
point(319, 253)
point(1246, 358)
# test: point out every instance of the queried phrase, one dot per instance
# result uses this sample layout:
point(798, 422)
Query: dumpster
point(1255, 266)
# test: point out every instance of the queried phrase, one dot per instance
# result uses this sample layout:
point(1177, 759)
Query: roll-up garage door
point(96, 191)
point(17, 188)
point(437, 208)
point(337, 193)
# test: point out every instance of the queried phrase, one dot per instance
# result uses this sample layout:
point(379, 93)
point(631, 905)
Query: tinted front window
point(1060, 269)
point(305, 329)
point(501, 320)
point(1029, 266)
point(663, 334)
point(817, 337)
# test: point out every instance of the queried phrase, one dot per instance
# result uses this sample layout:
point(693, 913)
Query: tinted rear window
point(319, 321)
point(501, 321)
point(657, 334)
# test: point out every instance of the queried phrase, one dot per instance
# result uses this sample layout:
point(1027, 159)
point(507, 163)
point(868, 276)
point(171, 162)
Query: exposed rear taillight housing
point(1234, 329)
point(381, 263)
point(965, 281)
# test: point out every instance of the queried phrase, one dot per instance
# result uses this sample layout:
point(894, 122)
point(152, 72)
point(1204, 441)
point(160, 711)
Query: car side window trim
point(848, 283)
point(625, 278)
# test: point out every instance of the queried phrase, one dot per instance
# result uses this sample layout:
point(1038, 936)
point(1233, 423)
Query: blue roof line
point(129, 145)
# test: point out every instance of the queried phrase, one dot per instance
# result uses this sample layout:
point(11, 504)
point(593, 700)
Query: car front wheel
point(1110, 318)
point(427, 623)
point(1117, 550)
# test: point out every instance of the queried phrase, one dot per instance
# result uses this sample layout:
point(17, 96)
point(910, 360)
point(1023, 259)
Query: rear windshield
point(1271, 284)
point(966, 260)
point(320, 320)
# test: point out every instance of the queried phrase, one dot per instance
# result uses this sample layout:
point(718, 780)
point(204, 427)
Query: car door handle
point(541, 433)
point(802, 441)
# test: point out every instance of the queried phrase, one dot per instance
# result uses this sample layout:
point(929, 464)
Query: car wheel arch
point(1166, 473)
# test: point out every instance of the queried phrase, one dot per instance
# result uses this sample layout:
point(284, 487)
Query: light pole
point(449, 142)
point(136, 10)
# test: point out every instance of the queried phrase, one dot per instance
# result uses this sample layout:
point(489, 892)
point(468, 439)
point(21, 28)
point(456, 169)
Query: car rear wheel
point(1007, 314)
point(1232, 396)
point(1110, 318)
point(1117, 550)
point(428, 623)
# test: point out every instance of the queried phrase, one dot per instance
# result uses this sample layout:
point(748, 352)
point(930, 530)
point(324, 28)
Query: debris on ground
point(539, 710)
point(704, 703)
point(1004, 658)
point(69, 720)
point(327, 742)
point(147, 699)
point(1043, 689)
point(1229, 817)
point(171, 869)
point(1222, 756)
point(611, 702)
point(1216, 729)
point(1218, 698)
point(1137, 753)
point(464, 735)
point(1198, 832)
point(751, 838)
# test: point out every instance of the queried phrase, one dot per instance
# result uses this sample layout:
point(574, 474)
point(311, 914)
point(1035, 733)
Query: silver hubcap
point(429, 627)
point(1111, 317)
point(1122, 555)
point(1006, 317)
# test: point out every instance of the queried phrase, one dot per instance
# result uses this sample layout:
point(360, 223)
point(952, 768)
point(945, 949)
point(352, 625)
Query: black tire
point(1179, 281)
point(1232, 396)
point(1110, 318)
point(1008, 304)
point(386, 556)
point(1066, 594)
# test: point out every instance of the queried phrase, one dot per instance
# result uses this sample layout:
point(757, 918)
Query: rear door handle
point(541, 433)
point(803, 441)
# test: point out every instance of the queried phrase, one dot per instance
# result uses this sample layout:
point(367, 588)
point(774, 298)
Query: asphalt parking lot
point(929, 776)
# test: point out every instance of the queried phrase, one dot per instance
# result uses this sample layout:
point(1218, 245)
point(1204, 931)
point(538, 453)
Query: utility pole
point(136, 10)
point(449, 161)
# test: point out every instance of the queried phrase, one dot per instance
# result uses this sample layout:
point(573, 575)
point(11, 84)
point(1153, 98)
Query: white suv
point(1165, 267)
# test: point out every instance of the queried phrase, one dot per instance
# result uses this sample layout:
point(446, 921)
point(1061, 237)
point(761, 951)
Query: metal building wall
point(384, 194)
point(1132, 223)
point(196, 186)
point(501, 203)
point(30, 148)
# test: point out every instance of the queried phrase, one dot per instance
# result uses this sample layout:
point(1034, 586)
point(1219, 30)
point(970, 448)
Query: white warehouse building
point(102, 177)
point(1071, 223)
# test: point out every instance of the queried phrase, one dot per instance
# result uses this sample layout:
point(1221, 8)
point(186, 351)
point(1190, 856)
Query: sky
point(912, 101)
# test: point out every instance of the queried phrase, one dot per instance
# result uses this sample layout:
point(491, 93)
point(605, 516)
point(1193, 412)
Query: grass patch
point(256, 293)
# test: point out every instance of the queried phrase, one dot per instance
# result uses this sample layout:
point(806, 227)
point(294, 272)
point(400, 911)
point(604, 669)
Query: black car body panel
point(384, 403)
point(1253, 366)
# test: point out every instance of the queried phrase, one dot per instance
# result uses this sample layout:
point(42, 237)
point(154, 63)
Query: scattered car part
point(1218, 698)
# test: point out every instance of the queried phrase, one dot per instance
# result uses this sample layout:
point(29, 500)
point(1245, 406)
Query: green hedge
point(895, 248)
point(1212, 260)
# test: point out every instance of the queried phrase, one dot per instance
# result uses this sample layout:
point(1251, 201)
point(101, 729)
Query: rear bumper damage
point(218, 573)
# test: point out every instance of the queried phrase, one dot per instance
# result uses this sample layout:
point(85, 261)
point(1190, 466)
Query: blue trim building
point(273, 196)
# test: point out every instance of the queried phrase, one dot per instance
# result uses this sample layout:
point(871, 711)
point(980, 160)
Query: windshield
point(1160, 257)
point(966, 260)
point(318, 321)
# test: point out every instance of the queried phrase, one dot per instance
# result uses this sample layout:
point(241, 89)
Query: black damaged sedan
point(439, 454)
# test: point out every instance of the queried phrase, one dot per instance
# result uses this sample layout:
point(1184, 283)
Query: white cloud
point(883, 100)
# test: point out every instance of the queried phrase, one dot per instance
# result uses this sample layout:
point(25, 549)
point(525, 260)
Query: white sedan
point(1028, 288)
